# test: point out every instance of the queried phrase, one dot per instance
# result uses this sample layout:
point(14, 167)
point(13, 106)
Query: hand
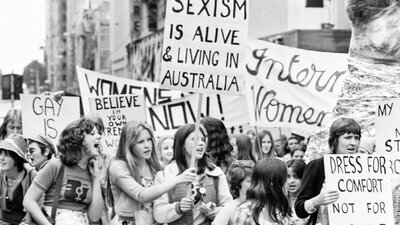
point(211, 215)
point(325, 197)
point(95, 167)
point(187, 176)
point(185, 204)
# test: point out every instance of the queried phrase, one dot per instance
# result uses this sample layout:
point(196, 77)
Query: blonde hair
point(129, 136)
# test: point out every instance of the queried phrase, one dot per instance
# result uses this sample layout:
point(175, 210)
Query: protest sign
point(363, 182)
point(115, 111)
point(166, 118)
point(291, 87)
point(204, 46)
point(387, 125)
point(42, 114)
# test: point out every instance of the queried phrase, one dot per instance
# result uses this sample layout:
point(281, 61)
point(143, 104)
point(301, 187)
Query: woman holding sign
point(70, 184)
point(344, 138)
point(132, 174)
point(209, 191)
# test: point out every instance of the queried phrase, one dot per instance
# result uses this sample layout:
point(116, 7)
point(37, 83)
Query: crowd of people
point(240, 179)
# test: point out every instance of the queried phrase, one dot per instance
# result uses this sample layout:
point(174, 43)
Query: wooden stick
point(197, 130)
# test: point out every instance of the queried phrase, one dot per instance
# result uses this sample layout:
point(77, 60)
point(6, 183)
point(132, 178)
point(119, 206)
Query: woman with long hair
point(242, 147)
point(209, 191)
point(266, 201)
point(264, 146)
point(15, 179)
point(12, 123)
point(218, 146)
point(80, 199)
point(132, 175)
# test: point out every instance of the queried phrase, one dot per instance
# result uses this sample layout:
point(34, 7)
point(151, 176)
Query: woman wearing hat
point(41, 149)
point(15, 179)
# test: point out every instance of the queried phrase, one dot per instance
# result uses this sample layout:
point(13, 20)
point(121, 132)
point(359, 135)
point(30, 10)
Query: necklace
point(12, 181)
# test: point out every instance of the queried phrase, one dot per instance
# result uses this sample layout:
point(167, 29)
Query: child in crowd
point(165, 149)
point(239, 178)
point(295, 174)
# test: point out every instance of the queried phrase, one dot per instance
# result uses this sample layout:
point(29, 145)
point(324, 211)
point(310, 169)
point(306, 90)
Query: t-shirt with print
point(76, 190)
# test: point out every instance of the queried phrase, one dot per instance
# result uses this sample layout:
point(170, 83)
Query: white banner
point(387, 124)
point(204, 46)
point(290, 87)
point(92, 84)
point(42, 114)
point(115, 111)
point(363, 182)
point(168, 117)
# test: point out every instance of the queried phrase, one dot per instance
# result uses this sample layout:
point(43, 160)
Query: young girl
point(295, 175)
point(210, 191)
point(263, 145)
point(239, 178)
point(266, 201)
point(80, 198)
point(165, 149)
point(132, 175)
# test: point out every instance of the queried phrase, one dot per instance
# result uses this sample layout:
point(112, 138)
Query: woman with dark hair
point(239, 179)
point(80, 199)
point(344, 138)
point(295, 175)
point(210, 189)
point(264, 146)
point(218, 146)
point(292, 144)
point(15, 179)
point(132, 175)
point(12, 123)
point(41, 149)
point(242, 147)
point(266, 201)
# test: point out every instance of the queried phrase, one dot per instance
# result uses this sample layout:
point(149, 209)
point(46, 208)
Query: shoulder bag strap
point(57, 193)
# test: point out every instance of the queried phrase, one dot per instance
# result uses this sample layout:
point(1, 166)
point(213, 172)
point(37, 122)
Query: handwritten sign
point(204, 46)
point(115, 111)
point(364, 186)
point(42, 114)
point(291, 87)
point(92, 84)
point(166, 118)
point(387, 124)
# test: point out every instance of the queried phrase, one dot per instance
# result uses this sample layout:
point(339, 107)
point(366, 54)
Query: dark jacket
point(313, 179)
